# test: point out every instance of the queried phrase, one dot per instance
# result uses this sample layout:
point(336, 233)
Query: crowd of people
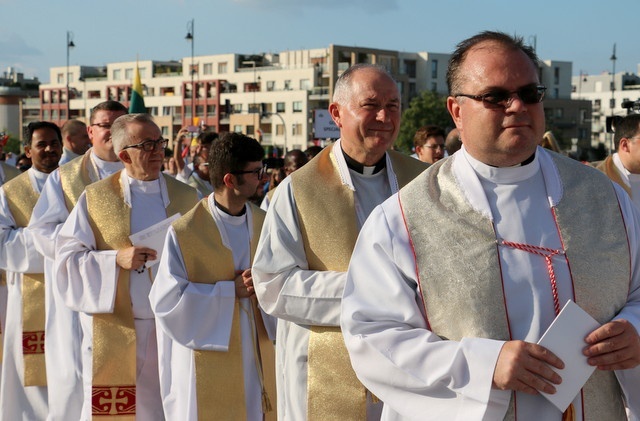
point(356, 283)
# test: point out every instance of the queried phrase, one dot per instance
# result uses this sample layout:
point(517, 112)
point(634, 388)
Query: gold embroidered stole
point(74, 177)
point(439, 217)
point(609, 168)
point(114, 335)
point(333, 390)
point(22, 198)
point(219, 375)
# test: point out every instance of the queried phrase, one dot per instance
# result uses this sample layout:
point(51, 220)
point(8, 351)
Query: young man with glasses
point(623, 167)
point(223, 368)
point(58, 197)
point(429, 144)
point(103, 276)
point(519, 231)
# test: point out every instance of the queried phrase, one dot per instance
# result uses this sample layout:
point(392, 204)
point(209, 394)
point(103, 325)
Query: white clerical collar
point(130, 184)
point(345, 173)
point(37, 179)
point(503, 175)
point(105, 168)
point(221, 218)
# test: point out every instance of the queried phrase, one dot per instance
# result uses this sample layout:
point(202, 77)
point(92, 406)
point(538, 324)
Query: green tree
point(425, 109)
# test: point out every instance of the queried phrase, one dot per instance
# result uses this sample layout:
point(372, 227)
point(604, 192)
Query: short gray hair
point(342, 90)
point(120, 132)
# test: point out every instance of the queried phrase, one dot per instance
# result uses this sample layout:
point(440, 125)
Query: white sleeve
point(285, 287)
point(17, 253)
point(395, 356)
point(86, 278)
point(48, 216)
point(630, 379)
point(196, 315)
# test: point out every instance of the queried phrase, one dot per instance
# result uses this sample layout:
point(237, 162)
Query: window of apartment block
point(153, 110)
point(143, 72)
point(556, 93)
point(54, 114)
point(45, 114)
point(60, 78)
point(434, 69)
point(280, 107)
point(297, 106)
point(271, 85)
point(199, 110)
point(211, 110)
point(296, 129)
point(165, 131)
point(237, 108)
point(46, 97)
point(237, 128)
point(213, 91)
point(222, 67)
point(166, 111)
point(207, 68)
point(559, 112)
point(556, 75)
point(305, 84)
point(250, 130)
point(287, 85)
point(117, 74)
point(55, 98)
point(410, 68)
point(128, 74)
point(254, 108)
point(279, 129)
point(434, 86)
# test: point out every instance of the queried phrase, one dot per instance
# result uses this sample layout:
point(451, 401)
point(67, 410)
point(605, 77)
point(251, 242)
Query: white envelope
point(153, 237)
point(565, 338)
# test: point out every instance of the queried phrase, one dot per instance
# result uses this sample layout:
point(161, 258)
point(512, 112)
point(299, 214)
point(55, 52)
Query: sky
point(33, 33)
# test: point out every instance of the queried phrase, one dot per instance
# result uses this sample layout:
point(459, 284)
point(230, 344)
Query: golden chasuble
point(439, 217)
point(22, 198)
point(114, 336)
point(219, 375)
point(609, 168)
point(74, 177)
point(334, 391)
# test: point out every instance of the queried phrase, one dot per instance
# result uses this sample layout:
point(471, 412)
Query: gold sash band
point(114, 334)
point(22, 198)
point(333, 390)
point(219, 379)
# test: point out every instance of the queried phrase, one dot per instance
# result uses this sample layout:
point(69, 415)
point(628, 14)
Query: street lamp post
point(612, 103)
point(253, 64)
point(191, 38)
point(70, 45)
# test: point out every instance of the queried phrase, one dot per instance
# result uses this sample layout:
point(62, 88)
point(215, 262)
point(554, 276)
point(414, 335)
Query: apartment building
point(607, 93)
point(279, 98)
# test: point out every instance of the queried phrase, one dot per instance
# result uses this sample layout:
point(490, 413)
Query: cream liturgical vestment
point(216, 360)
point(62, 326)
point(23, 394)
point(7, 172)
point(299, 274)
point(119, 350)
point(434, 289)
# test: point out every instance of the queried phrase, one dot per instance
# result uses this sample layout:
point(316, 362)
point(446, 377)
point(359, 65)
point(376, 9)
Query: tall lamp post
point(253, 64)
point(70, 45)
point(612, 103)
point(191, 38)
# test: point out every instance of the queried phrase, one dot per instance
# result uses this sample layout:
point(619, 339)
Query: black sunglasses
point(502, 98)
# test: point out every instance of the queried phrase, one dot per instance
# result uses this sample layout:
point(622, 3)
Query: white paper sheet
point(153, 237)
point(565, 338)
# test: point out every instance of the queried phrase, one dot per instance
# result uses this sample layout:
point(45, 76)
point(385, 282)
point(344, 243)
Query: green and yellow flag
point(136, 104)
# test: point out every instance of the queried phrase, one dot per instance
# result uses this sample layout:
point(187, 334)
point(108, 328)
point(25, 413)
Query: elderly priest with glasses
point(519, 232)
point(106, 277)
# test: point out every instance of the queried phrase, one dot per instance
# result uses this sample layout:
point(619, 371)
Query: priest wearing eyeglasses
point(104, 277)
point(519, 231)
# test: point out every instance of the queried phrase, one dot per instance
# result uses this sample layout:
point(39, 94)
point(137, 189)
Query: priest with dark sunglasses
point(519, 231)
